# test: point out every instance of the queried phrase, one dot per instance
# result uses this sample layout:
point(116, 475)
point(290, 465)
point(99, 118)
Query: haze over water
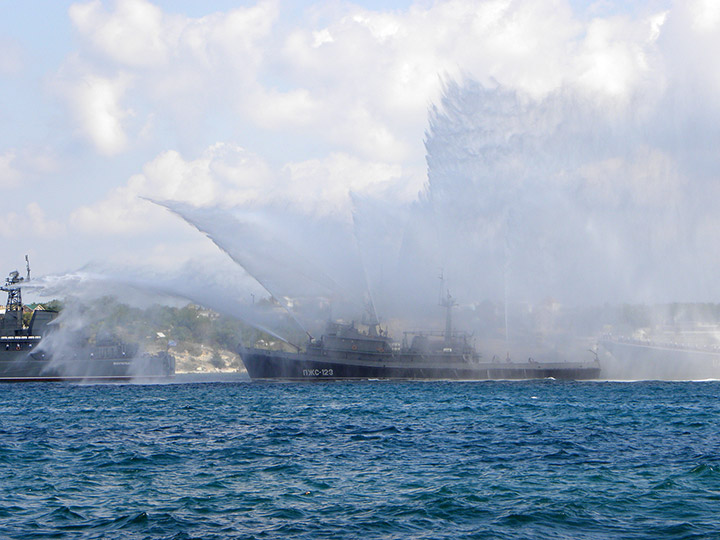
point(531, 203)
point(538, 213)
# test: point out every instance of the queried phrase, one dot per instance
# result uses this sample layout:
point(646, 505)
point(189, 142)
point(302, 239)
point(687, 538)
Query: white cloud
point(36, 221)
point(224, 174)
point(323, 187)
point(375, 73)
point(133, 35)
point(18, 165)
point(31, 222)
point(95, 103)
point(227, 175)
point(278, 110)
point(691, 30)
point(614, 58)
point(705, 15)
point(9, 175)
point(358, 81)
point(121, 213)
point(138, 61)
point(138, 34)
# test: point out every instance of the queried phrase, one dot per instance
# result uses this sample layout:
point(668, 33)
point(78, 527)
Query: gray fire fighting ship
point(347, 352)
point(23, 356)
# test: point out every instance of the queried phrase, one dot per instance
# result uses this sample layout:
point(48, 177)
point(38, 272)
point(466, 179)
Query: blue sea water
point(534, 460)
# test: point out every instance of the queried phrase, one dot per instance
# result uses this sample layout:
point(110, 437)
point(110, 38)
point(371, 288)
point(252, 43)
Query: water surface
point(535, 460)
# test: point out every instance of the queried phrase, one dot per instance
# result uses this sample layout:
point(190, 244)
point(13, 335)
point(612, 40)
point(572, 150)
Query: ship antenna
point(27, 265)
point(441, 277)
point(448, 303)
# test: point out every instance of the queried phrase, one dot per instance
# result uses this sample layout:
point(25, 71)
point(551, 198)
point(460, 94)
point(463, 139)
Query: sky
point(310, 107)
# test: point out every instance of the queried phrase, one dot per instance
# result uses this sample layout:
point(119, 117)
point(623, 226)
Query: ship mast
point(12, 287)
point(14, 306)
point(447, 302)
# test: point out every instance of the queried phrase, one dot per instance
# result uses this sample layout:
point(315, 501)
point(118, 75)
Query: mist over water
point(556, 207)
point(561, 197)
point(538, 213)
point(530, 204)
point(94, 310)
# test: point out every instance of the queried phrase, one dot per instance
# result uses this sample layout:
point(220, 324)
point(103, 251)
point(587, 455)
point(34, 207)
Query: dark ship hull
point(268, 365)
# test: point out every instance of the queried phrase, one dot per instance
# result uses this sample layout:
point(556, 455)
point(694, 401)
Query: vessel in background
point(659, 359)
point(23, 356)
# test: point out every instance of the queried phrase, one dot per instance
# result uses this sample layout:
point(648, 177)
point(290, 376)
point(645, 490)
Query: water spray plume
point(531, 203)
point(291, 262)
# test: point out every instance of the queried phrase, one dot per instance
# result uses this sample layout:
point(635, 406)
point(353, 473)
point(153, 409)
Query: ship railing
point(437, 333)
point(363, 352)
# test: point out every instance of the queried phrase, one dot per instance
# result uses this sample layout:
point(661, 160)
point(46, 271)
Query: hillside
point(200, 339)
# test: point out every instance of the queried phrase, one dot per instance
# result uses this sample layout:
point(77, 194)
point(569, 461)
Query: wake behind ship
point(23, 356)
point(347, 352)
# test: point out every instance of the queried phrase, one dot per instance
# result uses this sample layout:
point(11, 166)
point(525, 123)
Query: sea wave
point(535, 460)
